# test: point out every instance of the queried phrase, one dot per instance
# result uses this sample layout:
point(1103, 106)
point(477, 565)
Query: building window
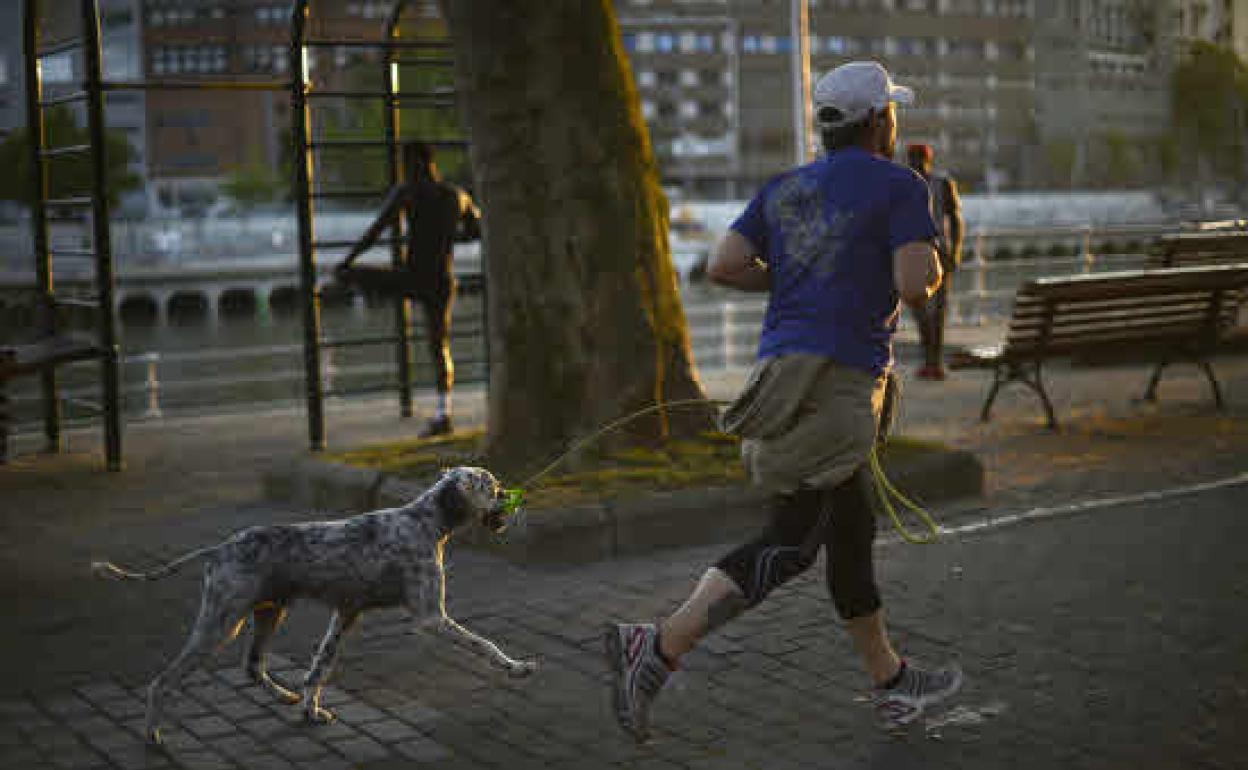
point(645, 41)
point(645, 78)
point(913, 46)
point(689, 78)
point(965, 49)
point(750, 44)
point(837, 45)
point(664, 42)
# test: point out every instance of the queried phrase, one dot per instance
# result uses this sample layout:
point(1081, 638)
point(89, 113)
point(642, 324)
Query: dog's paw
point(318, 716)
point(522, 669)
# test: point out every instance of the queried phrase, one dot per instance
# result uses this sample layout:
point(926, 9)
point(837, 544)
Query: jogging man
point(436, 214)
point(947, 211)
point(836, 243)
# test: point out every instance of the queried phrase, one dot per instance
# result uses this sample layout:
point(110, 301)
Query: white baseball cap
point(847, 94)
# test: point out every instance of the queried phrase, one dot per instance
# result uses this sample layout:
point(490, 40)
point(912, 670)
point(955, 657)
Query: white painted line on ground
point(1088, 505)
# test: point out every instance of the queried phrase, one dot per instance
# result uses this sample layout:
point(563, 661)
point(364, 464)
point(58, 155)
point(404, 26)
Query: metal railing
point(723, 330)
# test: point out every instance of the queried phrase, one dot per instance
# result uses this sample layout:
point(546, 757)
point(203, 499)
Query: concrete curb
point(612, 527)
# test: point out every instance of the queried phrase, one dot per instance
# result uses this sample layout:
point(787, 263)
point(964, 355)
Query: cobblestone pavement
point(1114, 638)
point(1109, 639)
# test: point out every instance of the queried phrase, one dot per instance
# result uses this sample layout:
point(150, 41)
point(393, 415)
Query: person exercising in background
point(947, 212)
point(436, 215)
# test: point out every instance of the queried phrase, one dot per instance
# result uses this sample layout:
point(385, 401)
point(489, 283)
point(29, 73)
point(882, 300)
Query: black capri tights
point(790, 543)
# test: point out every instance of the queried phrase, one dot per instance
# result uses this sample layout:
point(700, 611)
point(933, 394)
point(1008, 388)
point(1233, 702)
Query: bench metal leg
point(1036, 383)
point(1006, 373)
point(985, 414)
point(1213, 384)
point(1150, 393)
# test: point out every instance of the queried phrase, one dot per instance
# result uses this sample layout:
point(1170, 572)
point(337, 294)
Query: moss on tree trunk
point(586, 323)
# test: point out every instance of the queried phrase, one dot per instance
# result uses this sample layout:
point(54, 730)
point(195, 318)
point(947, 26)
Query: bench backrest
point(1210, 248)
point(1193, 306)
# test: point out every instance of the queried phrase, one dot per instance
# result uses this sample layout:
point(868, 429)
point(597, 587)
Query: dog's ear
point(452, 505)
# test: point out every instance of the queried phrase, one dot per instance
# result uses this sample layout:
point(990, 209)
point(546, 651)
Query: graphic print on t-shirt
point(812, 240)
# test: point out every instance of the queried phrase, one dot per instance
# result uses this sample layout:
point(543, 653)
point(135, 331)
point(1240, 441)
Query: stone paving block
point(390, 730)
point(298, 747)
point(205, 760)
point(237, 746)
point(423, 750)
point(358, 713)
point(121, 708)
point(211, 692)
point(134, 757)
point(66, 705)
point(211, 726)
point(240, 709)
point(233, 678)
point(360, 749)
point(48, 737)
point(178, 741)
point(103, 691)
point(182, 706)
point(265, 727)
point(264, 761)
point(336, 696)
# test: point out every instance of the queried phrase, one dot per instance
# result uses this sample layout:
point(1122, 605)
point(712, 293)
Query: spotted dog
point(385, 558)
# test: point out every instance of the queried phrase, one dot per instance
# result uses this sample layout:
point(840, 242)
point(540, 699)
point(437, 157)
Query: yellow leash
point(886, 491)
point(883, 487)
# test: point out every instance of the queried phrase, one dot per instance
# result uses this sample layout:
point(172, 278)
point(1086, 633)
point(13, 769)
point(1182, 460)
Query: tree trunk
point(586, 323)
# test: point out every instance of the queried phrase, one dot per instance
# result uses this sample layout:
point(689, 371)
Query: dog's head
point(466, 494)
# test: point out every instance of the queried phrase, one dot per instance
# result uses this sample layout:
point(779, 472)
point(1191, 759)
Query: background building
point(1013, 94)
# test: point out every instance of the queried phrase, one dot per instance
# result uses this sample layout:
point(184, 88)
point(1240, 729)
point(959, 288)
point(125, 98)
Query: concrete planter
point(612, 527)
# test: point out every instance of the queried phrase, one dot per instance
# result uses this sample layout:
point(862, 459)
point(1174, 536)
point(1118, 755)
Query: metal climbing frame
point(305, 146)
point(94, 201)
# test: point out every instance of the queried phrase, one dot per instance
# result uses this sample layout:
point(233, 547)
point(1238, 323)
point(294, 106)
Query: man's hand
point(916, 272)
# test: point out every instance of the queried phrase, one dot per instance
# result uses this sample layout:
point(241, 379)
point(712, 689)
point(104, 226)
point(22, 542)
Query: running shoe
point(639, 673)
point(901, 704)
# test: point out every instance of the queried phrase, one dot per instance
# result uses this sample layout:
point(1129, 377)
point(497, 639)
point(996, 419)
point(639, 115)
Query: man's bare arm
point(736, 264)
point(956, 226)
point(916, 272)
point(389, 211)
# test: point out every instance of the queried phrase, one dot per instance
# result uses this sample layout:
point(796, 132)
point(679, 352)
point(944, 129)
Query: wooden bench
point(36, 357)
point(1156, 316)
point(1214, 247)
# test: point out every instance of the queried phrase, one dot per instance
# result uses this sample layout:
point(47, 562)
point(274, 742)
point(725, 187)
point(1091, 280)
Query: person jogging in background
point(947, 211)
point(436, 214)
point(836, 243)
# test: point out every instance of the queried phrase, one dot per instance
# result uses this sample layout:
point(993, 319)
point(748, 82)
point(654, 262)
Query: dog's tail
point(109, 571)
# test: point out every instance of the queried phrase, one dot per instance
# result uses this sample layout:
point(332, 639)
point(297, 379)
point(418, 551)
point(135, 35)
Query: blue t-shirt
point(827, 231)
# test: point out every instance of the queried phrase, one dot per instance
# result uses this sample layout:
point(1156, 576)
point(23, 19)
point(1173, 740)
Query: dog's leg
point(426, 600)
point(339, 624)
point(267, 618)
point(218, 618)
point(486, 648)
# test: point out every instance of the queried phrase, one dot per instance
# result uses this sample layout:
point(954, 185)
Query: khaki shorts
point(804, 419)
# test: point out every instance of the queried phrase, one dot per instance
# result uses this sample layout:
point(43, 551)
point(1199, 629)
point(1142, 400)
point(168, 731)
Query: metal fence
point(723, 327)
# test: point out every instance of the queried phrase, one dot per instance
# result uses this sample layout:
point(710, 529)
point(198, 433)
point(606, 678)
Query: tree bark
point(586, 322)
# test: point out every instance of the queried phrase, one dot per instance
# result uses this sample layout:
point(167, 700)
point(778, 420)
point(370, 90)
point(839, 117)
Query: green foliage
point(365, 120)
point(69, 175)
point(1209, 97)
point(253, 184)
point(1060, 157)
point(1121, 168)
point(1060, 250)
